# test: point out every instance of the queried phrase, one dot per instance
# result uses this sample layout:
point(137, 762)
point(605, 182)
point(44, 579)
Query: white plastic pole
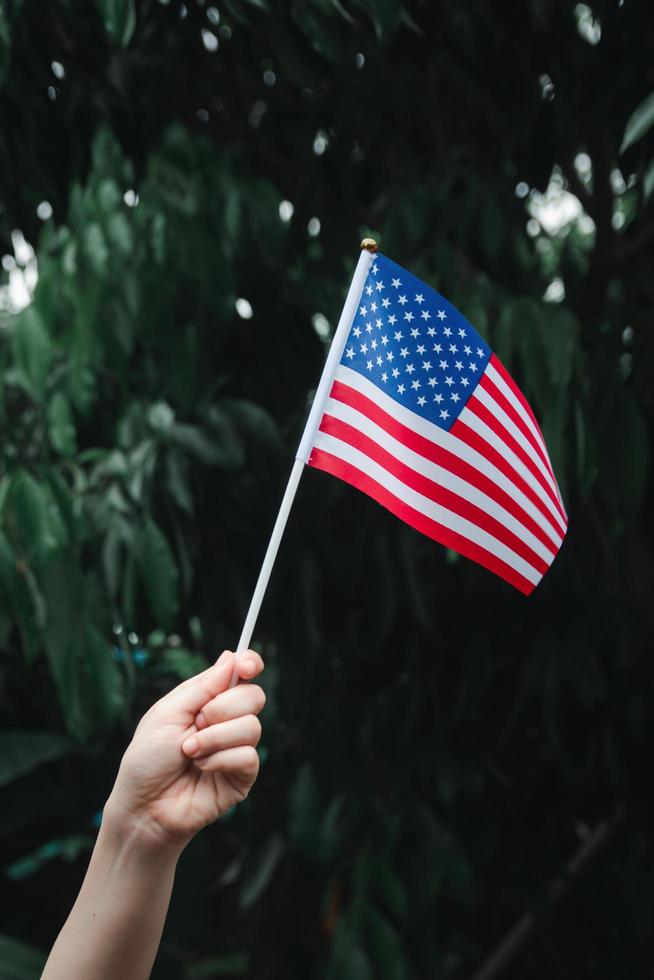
point(304, 449)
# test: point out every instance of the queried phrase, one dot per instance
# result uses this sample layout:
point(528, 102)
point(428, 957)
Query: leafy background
point(445, 764)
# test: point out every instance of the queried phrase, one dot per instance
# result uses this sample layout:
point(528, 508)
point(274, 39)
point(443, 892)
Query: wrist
point(136, 832)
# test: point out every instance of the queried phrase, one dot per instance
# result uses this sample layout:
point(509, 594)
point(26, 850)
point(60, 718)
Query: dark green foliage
point(436, 747)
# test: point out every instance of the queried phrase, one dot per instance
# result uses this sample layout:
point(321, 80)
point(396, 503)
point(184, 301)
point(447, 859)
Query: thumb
point(194, 693)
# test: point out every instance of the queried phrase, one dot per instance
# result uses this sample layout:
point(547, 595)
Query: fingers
point(249, 665)
point(241, 764)
point(192, 694)
point(245, 730)
point(246, 699)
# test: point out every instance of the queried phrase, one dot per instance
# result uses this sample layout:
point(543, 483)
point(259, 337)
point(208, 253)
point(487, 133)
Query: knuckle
point(254, 728)
point(259, 697)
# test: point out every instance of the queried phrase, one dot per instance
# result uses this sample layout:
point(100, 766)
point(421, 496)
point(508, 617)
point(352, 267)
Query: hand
point(193, 754)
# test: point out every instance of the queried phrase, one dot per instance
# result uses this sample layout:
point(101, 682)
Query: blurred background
point(455, 779)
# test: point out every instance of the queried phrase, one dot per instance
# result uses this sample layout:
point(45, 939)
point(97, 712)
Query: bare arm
point(192, 758)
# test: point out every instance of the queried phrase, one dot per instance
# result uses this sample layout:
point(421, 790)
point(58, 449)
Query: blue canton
point(414, 345)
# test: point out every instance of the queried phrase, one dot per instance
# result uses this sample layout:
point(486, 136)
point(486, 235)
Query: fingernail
point(190, 746)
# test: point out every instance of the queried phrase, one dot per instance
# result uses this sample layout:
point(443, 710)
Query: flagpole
point(368, 248)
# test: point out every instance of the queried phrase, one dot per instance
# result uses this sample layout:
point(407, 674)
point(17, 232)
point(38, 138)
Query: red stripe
point(489, 385)
point(448, 460)
point(350, 474)
point(475, 441)
point(499, 367)
point(483, 413)
point(433, 491)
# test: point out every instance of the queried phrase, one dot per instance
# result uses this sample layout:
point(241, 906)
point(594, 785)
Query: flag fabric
point(423, 417)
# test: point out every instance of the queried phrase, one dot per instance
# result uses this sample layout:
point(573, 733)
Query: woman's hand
point(193, 755)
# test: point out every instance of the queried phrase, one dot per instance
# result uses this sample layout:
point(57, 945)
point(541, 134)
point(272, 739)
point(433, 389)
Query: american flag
point(423, 417)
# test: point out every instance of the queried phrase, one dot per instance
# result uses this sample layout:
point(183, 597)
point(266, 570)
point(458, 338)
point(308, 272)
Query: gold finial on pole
point(369, 244)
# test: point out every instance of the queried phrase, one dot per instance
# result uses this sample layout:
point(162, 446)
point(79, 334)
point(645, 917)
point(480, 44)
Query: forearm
point(115, 925)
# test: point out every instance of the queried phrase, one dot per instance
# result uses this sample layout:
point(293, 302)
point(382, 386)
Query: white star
point(384, 376)
point(373, 307)
point(373, 344)
point(415, 333)
point(458, 365)
point(392, 318)
point(438, 399)
point(432, 382)
point(396, 283)
point(420, 298)
point(395, 372)
point(438, 348)
point(449, 381)
point(379, 285)
point(444, 414)
point(465, 382)
point(461, 332)
point(386, 302)
point(378, 322)
point(425, 314)
point(408, 316)
point(442, 315)
point(374, 269)
point(349, 353)
point(368, 290)
point(422, 400)
point(454, 396)
point(364, 348)
point(415, 385)
point(467, 350)
point(404, 352)
point(384, 339)
point(420, 349)
point(472, 366)
point(447, 331)
point(402, 300)
point(480, 352)
point(380, 360)
point(409, 369)
point(369, 365)
point(390, 356)
point(368, 327)
point(443, 365)
point(401, 389)
point(398, 335)
point(426, 365)
point(453, 348)
point(363, 310)
point(357, 331)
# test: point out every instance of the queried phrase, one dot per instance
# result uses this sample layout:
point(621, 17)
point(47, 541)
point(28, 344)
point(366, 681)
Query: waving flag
point(424, 418)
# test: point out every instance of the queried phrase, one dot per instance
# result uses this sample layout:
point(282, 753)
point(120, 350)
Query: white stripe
point(518, 407)
point(451, 443)
point(425, 506)
point(468, 417)
point(439, 475)
point(515, 403)
point(498, 412)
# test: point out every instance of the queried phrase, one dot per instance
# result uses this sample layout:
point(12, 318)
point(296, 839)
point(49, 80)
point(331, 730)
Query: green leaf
point(159, 573)
point(18, 961)
point(385, 946)
point(29, 502)
point(102, 684)
point(119, 18)
point(648, 181)
point(61, 427)
point(21, 752)
point(640, 122)
point(559, 331)
point(265, 860)
point(32, 350)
